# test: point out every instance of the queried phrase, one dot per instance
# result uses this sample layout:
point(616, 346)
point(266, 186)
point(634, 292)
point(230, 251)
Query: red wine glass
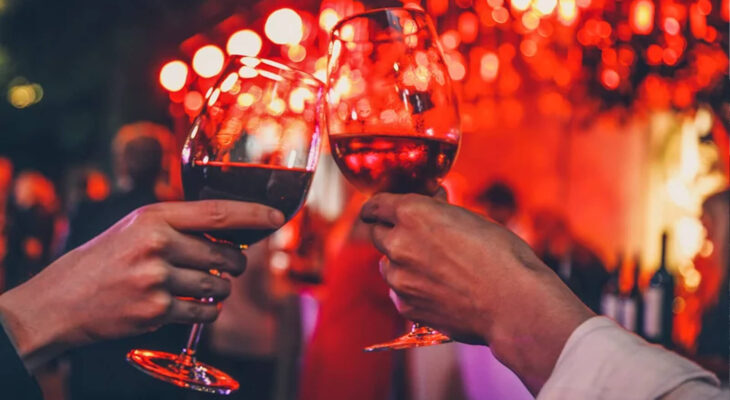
point(256, 139)
point(392, 116)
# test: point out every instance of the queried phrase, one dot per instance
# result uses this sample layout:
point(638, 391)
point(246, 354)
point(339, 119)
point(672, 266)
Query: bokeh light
point(284, 26)
point(244, 42)
point(25, 95)
point(208, 61)
point(328, 19)
point(173, 75)
point(642, 16)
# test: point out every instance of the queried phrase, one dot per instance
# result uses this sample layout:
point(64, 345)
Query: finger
point(380, 209)
point(198, 253)
point(198, 284)
point(192, 311)
point(208, 215)
point(378, 235)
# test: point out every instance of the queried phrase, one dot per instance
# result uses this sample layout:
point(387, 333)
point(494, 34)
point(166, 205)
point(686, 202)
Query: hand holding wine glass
point(256, 140)
point(392, 116)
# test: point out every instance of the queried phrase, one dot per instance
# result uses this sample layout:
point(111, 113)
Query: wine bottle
point(631, 304)
point(658, 302)
point(609, 296)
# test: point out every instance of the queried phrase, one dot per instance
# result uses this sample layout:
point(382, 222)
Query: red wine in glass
point(278, 187)
point(390, 163)
point(261, 152)
point(391, 113)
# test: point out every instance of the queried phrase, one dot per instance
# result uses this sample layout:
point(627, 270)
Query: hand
point(473, 280)
point(143, 272)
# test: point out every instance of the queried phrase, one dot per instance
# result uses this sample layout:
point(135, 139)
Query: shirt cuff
point(602, 360)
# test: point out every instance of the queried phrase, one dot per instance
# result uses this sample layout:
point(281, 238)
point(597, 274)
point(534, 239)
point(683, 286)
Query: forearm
point(33, 326)
point(528, 335)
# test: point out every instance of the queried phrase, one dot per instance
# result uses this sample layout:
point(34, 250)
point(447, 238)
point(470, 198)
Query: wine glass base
point(417, 337)
point(183, 371)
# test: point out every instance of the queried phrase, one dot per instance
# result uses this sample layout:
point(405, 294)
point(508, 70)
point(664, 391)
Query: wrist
point(529, 334)
point(33, 327)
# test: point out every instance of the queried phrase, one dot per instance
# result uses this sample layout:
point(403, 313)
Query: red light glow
point(610, 78)
point(489, 66)
point(642, 16)
point(245, 42)
point(468, 26)
point(327, 19)
point(438, 7)
point(193, 102)
point(208, 61)
point(671, 26)
point(173, 75)
point(284, 26)
point(654, 54)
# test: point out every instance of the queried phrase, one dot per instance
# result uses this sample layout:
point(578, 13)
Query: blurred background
point(590, 127)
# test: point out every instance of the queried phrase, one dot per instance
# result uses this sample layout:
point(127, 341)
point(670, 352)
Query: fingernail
point(276, 217)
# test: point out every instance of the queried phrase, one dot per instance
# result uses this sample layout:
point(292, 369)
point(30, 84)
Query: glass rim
point(338, 26)
point(276, 64)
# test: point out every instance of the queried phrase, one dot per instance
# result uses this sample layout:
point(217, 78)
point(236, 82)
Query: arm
point(479, 283)
point(141, 273)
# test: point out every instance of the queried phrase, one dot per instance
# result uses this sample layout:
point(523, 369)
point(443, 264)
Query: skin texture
point(473, 280)
point(143, 272)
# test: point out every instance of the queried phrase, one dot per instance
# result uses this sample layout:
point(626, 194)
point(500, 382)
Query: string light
point(173, 75)
point(244, 42)
point(284, 26)
point(208, 61)
point(642, 16)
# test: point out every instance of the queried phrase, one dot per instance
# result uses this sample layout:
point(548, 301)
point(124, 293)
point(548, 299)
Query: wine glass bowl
point(256, 139)
point(392, 115)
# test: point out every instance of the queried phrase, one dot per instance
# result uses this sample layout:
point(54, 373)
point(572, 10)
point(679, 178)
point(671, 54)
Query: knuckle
point(153, 275)
point(155, 240)
point(158, 305)
point(397, 250)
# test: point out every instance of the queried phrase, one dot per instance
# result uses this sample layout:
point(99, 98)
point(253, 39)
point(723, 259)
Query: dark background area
point(98, 65)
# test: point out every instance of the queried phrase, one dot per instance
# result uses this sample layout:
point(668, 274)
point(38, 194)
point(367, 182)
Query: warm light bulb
point(244, 42)
point(284, 26)
point(173, 75)
point(208, 61)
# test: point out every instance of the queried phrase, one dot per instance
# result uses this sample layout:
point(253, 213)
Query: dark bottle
point(631, 308)
point(658, 300)
point(610, 294)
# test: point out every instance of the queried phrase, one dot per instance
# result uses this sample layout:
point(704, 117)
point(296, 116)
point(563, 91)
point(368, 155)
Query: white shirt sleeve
point(601, 360)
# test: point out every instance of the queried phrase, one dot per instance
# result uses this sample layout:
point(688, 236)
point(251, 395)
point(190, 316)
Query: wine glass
point(256, 139)
point(392, 115)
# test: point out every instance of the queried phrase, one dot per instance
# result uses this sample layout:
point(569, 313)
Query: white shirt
point(601, 360)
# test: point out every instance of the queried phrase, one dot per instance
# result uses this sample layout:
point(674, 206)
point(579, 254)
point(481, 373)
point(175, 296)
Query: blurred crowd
point(312, 296)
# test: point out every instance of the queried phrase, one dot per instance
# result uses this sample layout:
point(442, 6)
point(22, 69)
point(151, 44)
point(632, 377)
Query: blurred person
point(99, 370)
point(574, 262)
point(138, 157)
point(31, 227)
point(500, 204)
point(481, 284)
point(712, 342)
point(354, 313)
point(135, 277)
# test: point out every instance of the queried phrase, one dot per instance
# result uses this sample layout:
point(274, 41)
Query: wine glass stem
point(193, 340)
